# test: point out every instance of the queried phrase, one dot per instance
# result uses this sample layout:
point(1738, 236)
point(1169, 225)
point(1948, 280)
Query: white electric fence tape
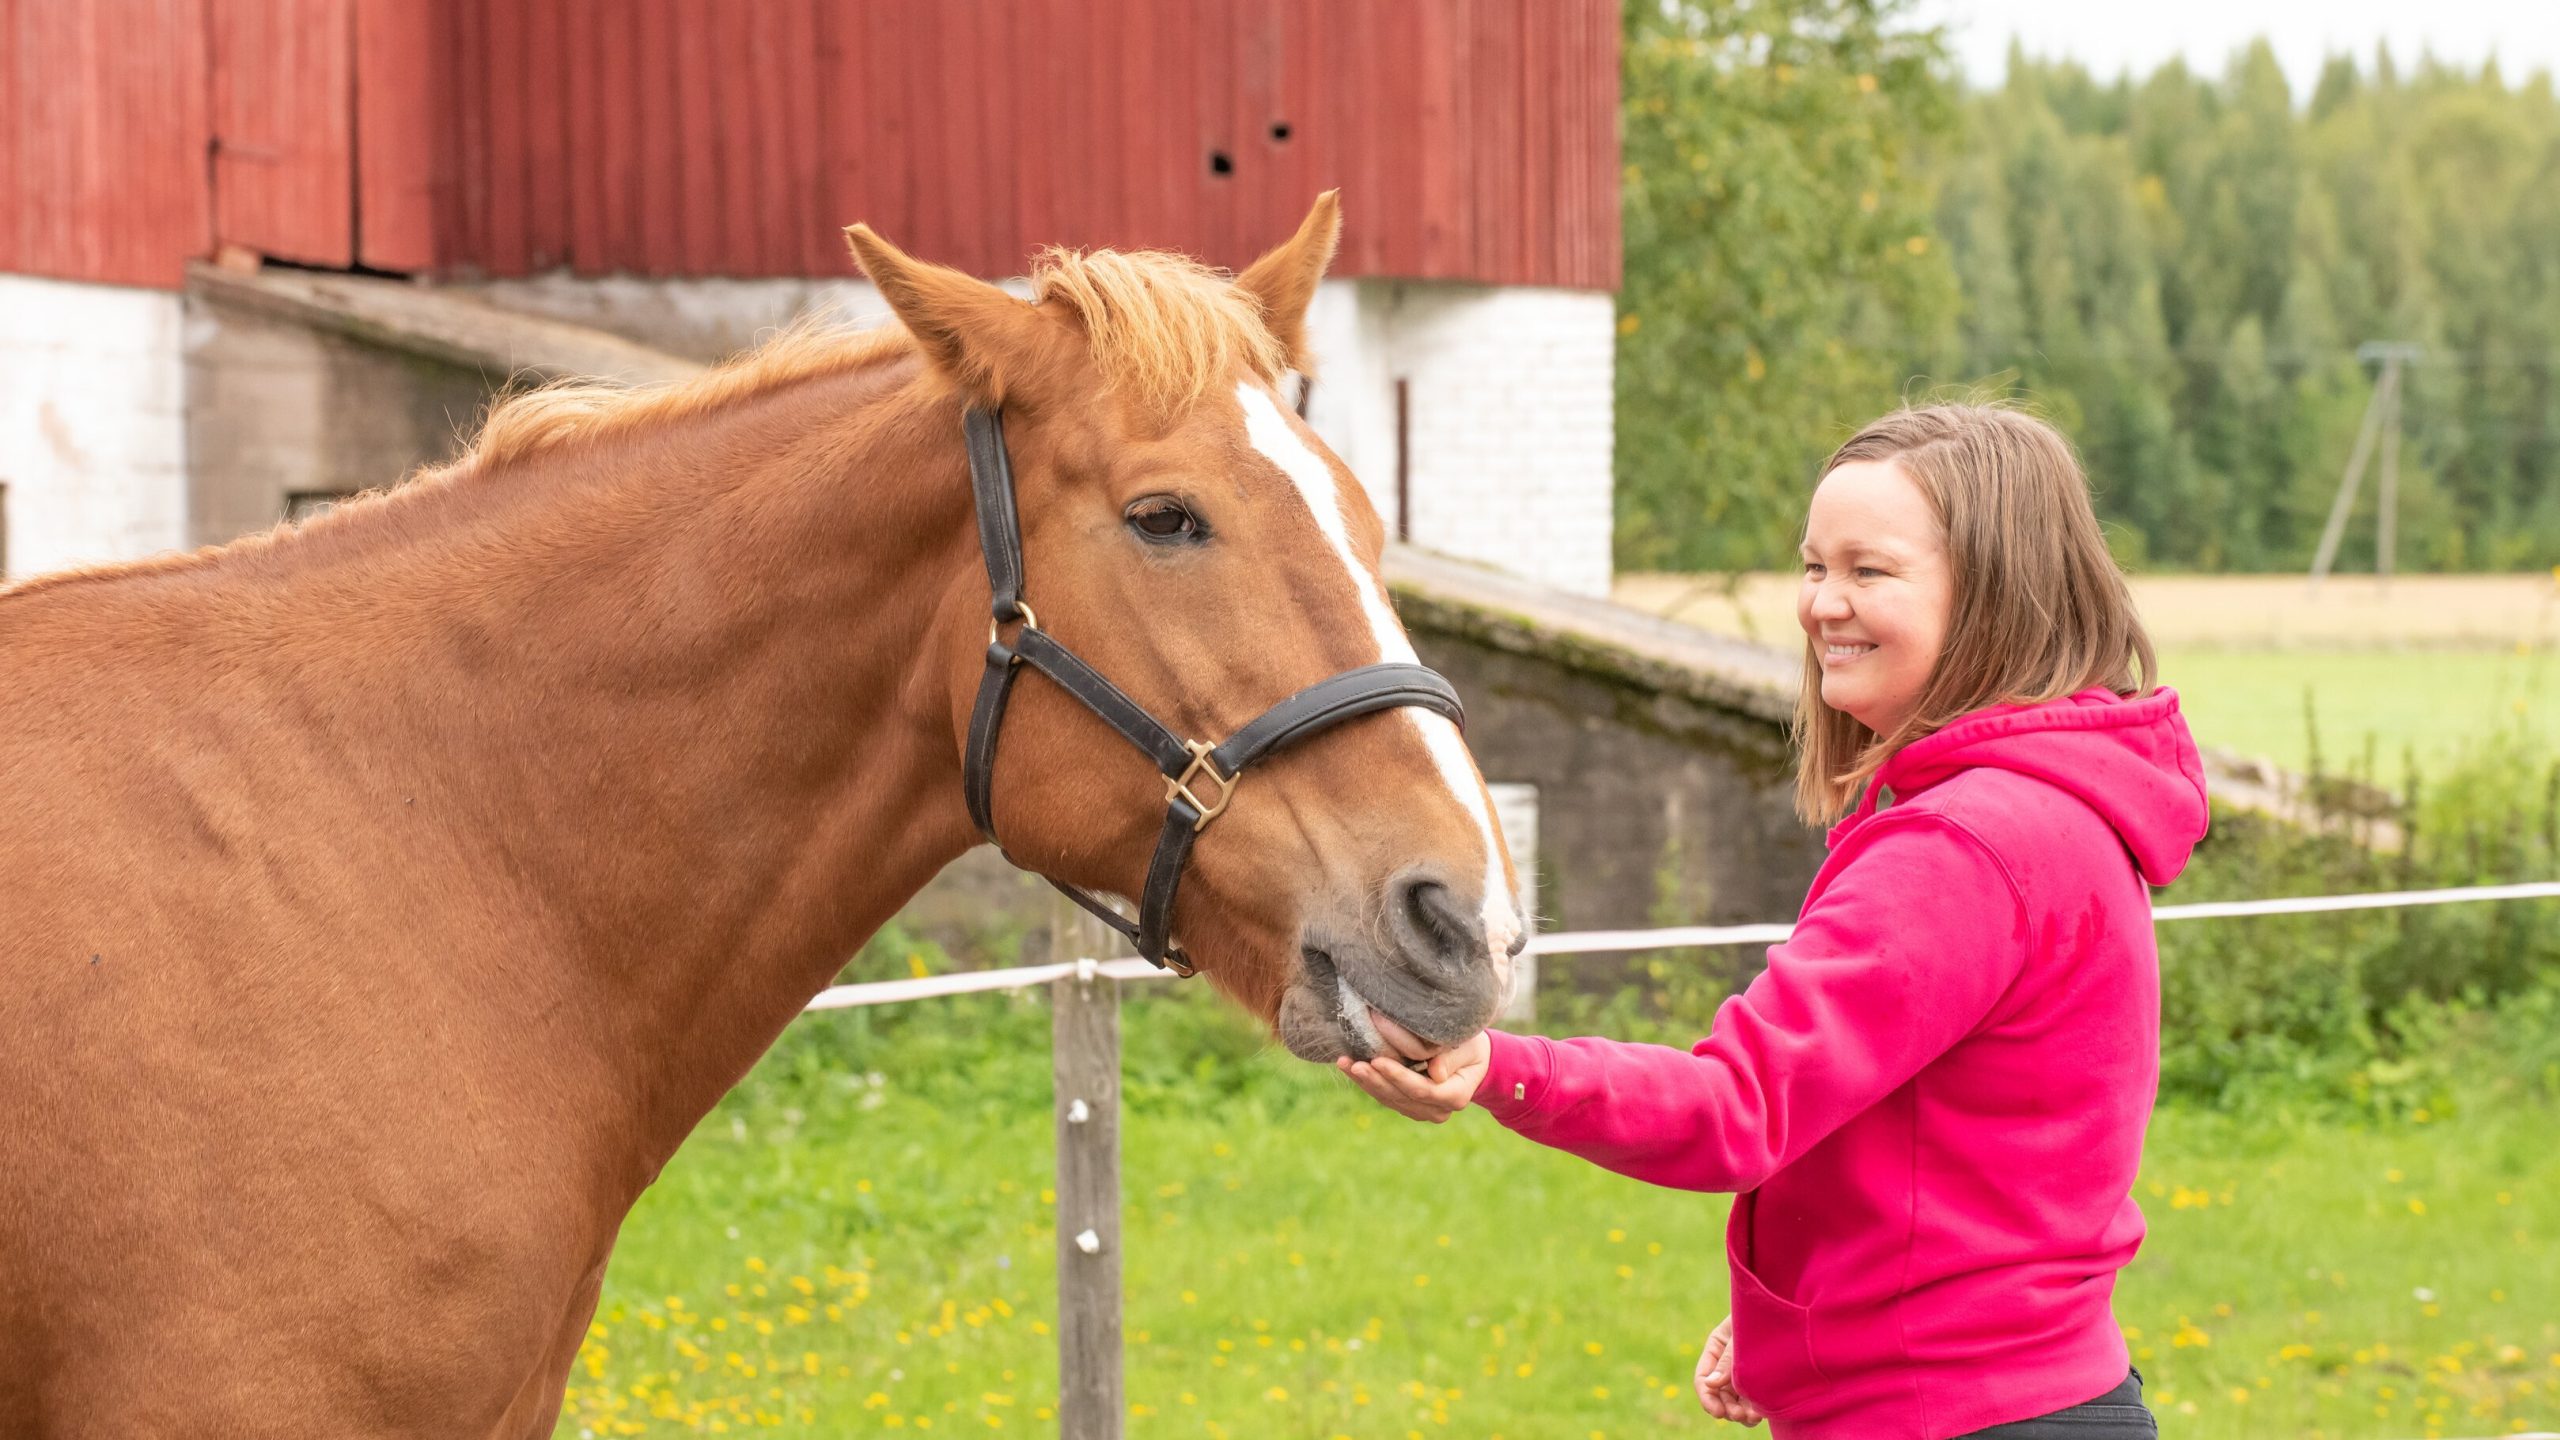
point(1600, 942)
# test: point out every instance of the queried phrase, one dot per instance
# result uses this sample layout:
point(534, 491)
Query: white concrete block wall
point(92, 422)
point(1508, 417)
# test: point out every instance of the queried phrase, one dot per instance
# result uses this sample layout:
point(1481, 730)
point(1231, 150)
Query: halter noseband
point(1199, 778)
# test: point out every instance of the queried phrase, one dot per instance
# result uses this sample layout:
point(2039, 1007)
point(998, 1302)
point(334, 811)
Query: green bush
point(2386, 1009)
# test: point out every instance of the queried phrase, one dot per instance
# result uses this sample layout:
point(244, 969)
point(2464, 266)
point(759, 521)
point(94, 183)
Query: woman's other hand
point(1716, 1394)
point(1445, 1085)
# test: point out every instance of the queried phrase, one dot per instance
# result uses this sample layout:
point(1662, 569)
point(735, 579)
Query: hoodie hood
point(2132, 761)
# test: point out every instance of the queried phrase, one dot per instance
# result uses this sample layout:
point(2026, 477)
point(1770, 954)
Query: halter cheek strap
point(1200, 778)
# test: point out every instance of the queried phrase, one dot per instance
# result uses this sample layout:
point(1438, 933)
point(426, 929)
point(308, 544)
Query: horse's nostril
point(1423, 902)
point(1434, 924)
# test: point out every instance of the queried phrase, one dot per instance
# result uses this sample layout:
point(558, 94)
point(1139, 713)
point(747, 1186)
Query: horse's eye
point(1161, 517)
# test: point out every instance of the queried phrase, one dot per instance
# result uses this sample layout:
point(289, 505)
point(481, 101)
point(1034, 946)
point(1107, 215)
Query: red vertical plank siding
point(858, 150)
point(812, 244)
point(770, 205)
point(17, 130)
point(547, 112)
point(404, 128)
point(505, 248)
point(697, 121)
point(1415, 190)
point(653, 117)
point(1513, 158)
point(465, 223)
point(580, 70)
point(610, 240)
point(284, 127)
point(1588, 114)
point(1285, 177)
point(1221, 71)
point(954, 215)
point(104, 119)
point(1343, 109)
point(1038, 105)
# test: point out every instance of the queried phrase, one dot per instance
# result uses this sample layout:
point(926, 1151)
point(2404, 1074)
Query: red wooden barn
point(680, 141)
point(1474, 139)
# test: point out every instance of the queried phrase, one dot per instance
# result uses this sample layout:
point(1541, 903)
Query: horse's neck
point(673, 717)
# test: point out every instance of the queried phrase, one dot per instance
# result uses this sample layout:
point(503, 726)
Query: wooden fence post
point(1085, 1064)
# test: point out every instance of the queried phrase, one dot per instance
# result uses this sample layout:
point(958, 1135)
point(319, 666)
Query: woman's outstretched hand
point(1444, 1087)
point(1716, 1394)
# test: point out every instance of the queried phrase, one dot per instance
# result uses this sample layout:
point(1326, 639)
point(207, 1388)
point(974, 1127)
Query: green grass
point(1300, 1263)
point(2432, 701)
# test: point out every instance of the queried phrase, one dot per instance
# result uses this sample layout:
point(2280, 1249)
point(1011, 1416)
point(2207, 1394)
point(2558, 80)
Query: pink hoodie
point(1932, 1101)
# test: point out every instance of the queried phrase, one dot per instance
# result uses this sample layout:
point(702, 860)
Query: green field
point(2423, 702)
point(836, 1255)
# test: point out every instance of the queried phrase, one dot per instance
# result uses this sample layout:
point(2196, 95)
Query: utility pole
point(2382, 421)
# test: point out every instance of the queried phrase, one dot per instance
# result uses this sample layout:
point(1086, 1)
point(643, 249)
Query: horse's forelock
point(1163, 329)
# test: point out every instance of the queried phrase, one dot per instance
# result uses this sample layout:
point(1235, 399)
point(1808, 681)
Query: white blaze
point(1269, 432)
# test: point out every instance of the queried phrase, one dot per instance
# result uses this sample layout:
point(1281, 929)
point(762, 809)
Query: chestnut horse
point(388, 897)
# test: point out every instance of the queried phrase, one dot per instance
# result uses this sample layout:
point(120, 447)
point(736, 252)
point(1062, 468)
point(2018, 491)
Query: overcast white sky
point(2113, 35)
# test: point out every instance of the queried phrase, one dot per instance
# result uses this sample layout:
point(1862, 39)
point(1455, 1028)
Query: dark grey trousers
point(2117, 1415)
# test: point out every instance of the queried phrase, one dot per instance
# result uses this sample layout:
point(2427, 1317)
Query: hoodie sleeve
point(1903, 954)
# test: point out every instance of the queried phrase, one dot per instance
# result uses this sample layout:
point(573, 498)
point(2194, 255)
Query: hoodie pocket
point(1773, 1355)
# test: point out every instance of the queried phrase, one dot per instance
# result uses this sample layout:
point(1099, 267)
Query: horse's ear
point(971, 331)
point(1284, 282)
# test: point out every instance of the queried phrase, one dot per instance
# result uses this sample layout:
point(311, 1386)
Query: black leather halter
point(1190, 767)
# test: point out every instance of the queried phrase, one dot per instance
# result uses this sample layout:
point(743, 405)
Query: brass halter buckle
point(1178, 787)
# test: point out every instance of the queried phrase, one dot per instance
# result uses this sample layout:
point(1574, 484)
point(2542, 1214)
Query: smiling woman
point(1931, 1102)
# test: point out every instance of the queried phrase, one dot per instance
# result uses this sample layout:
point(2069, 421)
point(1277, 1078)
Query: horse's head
point(1190, 538)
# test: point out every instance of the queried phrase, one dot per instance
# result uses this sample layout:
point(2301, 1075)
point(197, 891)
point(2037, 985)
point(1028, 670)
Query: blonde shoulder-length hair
point(2040, 609)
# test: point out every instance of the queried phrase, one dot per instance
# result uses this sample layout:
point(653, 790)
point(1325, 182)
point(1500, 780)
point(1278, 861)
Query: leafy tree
point(1783, 274)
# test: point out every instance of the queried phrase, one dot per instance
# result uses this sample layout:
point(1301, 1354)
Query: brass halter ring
point(1030, 621)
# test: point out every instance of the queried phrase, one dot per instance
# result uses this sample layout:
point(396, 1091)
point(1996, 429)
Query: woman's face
point(1877, 592)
